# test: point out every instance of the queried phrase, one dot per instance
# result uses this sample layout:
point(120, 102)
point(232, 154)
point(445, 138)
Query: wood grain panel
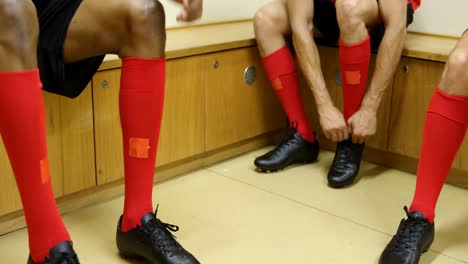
point(9, 196)
point(411, 95)
point(236, 110)
point(77, 130)
point(461, 160)
point(54, 141)
point(183, 125)
point(108, 133)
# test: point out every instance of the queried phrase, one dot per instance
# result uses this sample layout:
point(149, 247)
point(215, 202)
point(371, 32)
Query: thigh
point(97, 28)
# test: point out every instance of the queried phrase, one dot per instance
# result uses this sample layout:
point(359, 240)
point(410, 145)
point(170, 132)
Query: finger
point(355, 138)
point(350, 128)
point(186, 3)
point(339, 135)
point(345, 134)
point(362, 139)
point(182, 17)
point(327, 135)
point(358, 139)
point(335, 137)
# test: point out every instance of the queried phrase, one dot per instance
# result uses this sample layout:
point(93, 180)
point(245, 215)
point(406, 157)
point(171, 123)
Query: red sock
point(22, 126)
point(281, 71)
point(354, 60)
point(141, 107)
point(444, 130)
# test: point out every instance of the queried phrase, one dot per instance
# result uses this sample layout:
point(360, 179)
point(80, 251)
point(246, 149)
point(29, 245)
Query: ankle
point(428, 213)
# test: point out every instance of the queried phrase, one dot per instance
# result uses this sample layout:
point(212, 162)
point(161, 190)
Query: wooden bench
point(211, 114)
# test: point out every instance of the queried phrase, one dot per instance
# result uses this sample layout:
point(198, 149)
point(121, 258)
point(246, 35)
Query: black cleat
point(292, 149)
point(346, 164)
point(62, 253)
point(153, 242)
point(414, 237)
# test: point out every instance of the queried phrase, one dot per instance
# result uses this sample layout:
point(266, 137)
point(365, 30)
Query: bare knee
point(270, 19)
point(456, 75)
point(348, 14)
point(458, 60)
point(146, 28)
point(355, 17)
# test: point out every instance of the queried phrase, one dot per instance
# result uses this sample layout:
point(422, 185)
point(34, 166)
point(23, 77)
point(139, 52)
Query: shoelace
point(64, 258)
point(161, 235)
point(288, 140)
point(344, 152)
point(409, 234)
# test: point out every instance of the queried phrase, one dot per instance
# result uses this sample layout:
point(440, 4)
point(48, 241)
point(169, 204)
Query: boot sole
point(338, 185)
point(272, 170)
point(342, 184)
point(428, 246)
point(131, 256)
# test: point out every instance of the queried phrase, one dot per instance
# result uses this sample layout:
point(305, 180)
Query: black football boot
point(154, 242)
point(346, 164)
point(292, 149)
point(62, 253)
point(413, 238)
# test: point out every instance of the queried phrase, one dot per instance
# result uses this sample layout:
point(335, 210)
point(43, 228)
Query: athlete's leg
point(444, 130)
point(135, 30)
point(22, 125)
point(272, 25)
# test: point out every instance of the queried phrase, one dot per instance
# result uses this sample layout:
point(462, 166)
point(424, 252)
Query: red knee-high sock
point(281, 71)
point(444, 130)
point(22, 126)
point(141, 106)
point(354, 60)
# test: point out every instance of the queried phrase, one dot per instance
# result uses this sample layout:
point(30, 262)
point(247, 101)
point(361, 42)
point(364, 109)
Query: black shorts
point(325, 21)
point(58, 77)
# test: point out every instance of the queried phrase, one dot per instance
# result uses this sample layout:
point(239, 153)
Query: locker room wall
point(443, 17)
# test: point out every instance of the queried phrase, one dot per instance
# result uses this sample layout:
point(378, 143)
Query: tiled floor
point(229, 213)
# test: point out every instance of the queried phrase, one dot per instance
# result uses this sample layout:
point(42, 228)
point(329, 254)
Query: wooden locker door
point(414, 84)
point(108, 133)
point(77, 128)
point(9, 196)
point(184, 119)
point(235, 110)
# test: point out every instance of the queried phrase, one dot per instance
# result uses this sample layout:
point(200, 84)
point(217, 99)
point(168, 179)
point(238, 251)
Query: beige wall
point(216, 10)
point(445, 17)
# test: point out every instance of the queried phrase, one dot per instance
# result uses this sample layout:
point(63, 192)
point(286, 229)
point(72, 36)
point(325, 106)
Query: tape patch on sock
point(353, 77)
point(139, 148)
point(277, 84)
point(45, 171)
